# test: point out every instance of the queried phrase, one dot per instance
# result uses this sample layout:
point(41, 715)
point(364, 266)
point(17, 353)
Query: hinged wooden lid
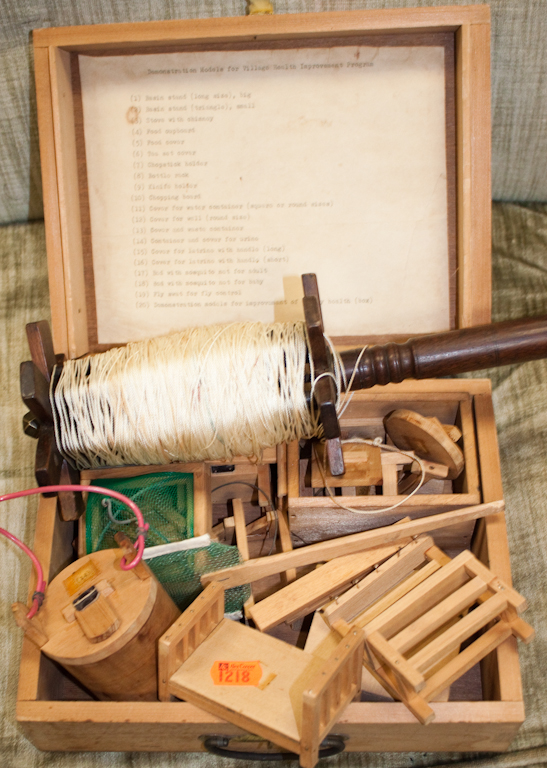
point(230, 155)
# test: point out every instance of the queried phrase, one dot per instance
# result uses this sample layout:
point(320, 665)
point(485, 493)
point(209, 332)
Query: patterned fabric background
point(519, 83)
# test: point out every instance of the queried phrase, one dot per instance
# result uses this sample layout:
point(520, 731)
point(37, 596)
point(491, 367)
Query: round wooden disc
point(411, 431)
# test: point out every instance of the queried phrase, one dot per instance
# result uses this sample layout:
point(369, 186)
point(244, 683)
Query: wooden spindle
point(450, 353)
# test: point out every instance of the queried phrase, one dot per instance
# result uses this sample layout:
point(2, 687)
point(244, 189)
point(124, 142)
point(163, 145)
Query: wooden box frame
point(47, 709)
point(64, 178)
point(314, 518)
point(53, 720)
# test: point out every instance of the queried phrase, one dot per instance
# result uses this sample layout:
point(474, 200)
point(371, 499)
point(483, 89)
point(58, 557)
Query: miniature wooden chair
point(256, 681)
point(413, 646)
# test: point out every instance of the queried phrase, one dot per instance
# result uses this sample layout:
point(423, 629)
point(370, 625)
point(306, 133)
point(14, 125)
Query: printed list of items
point(228, 180)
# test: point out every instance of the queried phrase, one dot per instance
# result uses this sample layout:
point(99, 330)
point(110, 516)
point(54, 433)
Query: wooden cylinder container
point(102, 625)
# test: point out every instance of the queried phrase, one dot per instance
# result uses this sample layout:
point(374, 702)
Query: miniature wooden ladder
point(412, 646)
point(296, 697)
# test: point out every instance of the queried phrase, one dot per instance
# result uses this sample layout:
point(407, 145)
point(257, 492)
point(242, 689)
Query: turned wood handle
point(450, 353)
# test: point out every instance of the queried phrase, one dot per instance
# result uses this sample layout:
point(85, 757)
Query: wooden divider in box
point(315, 518)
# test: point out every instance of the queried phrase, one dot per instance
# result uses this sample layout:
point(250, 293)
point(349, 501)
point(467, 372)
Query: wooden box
point(314, 518)
point(51, 711)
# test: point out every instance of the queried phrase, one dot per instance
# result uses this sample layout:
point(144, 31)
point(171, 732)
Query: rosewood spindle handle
point(450, 353)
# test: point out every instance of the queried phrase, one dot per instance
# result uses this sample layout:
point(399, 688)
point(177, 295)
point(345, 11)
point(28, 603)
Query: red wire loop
point(40, 583)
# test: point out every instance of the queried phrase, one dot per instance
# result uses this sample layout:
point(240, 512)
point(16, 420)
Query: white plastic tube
point(197, 542)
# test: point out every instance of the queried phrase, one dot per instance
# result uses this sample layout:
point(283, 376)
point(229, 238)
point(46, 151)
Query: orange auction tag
point(236, 672)
point(86, 572)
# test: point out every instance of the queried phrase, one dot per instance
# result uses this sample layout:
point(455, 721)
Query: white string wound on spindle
point(201, 394)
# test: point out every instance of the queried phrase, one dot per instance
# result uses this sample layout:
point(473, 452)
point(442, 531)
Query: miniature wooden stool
point(255, 681)
point(362, 463)
point(375, 465)
point(413, 646)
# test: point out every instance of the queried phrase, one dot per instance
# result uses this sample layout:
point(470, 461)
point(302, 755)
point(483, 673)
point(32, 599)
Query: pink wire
point(40, 583)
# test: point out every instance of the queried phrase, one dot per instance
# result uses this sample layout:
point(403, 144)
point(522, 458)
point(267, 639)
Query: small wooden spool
point(102, 624)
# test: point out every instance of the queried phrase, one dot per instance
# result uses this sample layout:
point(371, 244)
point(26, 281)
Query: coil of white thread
point(204, 393)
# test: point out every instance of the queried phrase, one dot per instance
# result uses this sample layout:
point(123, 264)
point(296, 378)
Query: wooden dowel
point(261, 567)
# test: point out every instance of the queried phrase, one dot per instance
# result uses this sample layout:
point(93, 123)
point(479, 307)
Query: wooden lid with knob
point(102, 623)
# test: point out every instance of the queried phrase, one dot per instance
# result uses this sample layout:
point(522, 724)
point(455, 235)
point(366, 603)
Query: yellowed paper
point(217, 178)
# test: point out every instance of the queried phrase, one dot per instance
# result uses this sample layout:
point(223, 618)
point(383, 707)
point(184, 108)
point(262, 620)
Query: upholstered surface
point(519, 83)
point(520, 396)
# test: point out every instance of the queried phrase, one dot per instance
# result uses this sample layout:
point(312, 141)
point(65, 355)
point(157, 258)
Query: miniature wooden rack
point(414, 636)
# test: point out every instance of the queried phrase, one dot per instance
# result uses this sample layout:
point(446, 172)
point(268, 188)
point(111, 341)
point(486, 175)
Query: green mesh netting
point(166, 500)
point(179, 573)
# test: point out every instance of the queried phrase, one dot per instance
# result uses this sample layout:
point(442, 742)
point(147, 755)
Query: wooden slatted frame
point(333, 688)
point(417, 636)
point(184, 636)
